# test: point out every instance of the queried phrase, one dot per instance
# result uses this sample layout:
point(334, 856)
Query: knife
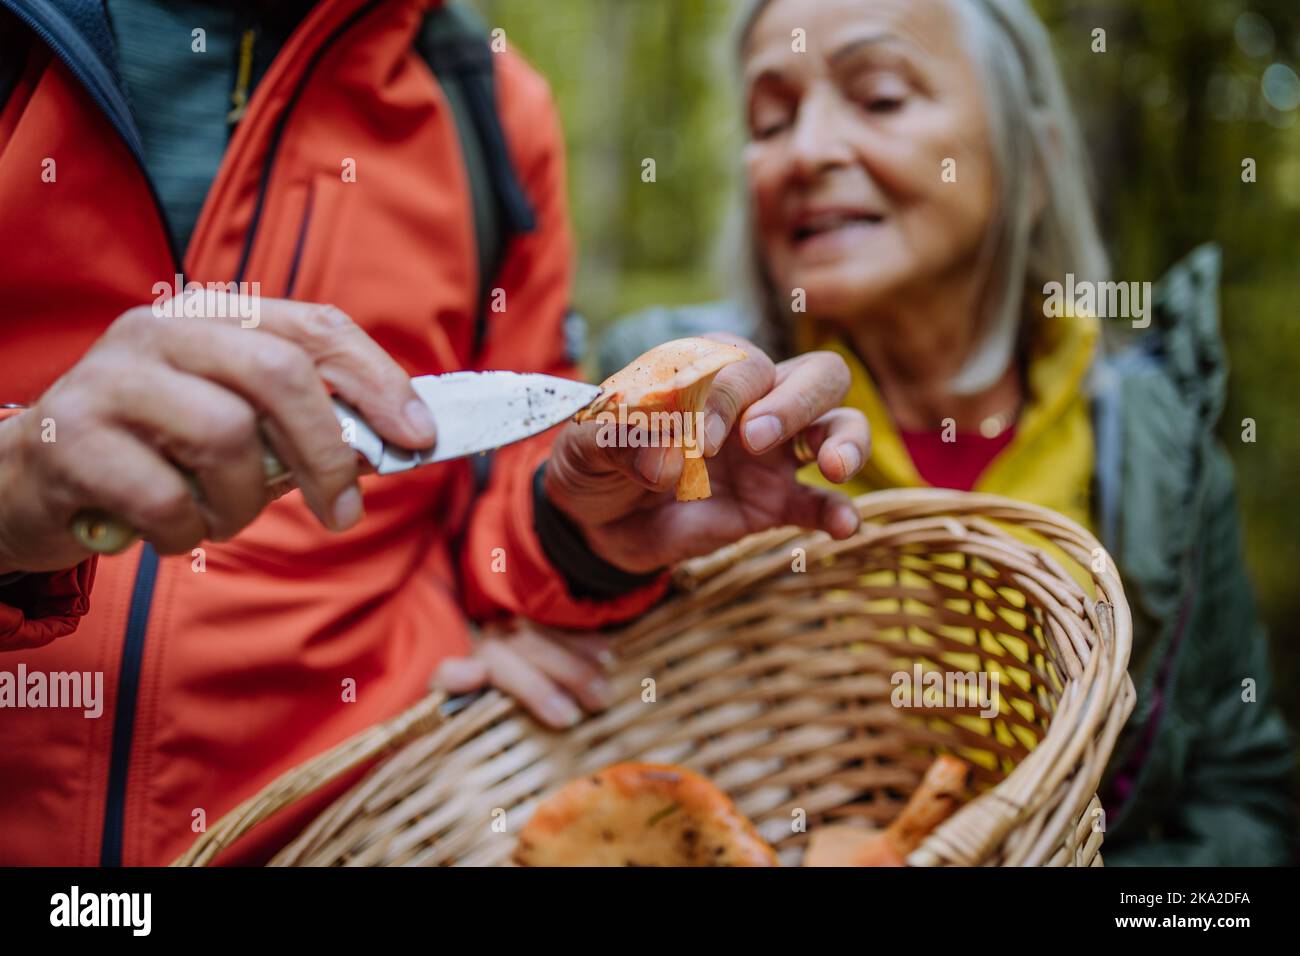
point(474, 412)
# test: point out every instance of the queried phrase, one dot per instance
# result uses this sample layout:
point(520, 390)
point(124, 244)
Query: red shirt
point(955, 464)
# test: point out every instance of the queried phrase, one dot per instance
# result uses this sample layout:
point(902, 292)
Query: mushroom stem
point(693, 485)
point(942, 790)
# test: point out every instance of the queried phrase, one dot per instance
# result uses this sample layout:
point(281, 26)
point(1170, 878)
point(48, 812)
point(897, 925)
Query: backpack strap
point(454, 42)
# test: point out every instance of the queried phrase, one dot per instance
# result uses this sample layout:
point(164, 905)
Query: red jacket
point(216, 682)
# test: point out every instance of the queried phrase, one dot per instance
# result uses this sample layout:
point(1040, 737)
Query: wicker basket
point(773, 672)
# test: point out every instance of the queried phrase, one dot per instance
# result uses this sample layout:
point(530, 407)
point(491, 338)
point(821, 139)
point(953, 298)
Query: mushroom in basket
point(641, 814)
point(942, 790)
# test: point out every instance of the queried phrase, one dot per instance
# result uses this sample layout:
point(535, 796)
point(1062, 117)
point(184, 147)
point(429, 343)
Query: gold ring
point(803, 453)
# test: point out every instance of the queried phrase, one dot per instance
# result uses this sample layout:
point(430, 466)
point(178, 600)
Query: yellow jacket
point(1049, 462)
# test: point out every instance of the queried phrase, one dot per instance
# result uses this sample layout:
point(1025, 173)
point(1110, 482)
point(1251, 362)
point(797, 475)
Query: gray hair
point(1039, 157)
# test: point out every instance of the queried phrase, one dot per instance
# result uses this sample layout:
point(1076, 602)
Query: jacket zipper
point(292, 282)
point(273, 147)
point(128, 688)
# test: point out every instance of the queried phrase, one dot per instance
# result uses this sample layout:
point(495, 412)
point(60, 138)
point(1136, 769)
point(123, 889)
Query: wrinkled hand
point(622, 498)
point(549, 674)
point(158, 399)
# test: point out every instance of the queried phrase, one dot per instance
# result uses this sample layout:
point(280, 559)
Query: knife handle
point(103, 533)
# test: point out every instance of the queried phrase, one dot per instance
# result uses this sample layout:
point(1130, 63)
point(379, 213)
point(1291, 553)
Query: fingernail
point(715, 433)
point(599, 691)
point(348, 509)
point(560, 711)
point(420, 419)
point(650, 463)
point(607, 658)
point(846, 521)
point(454, 673)
point(850, 460)
point(763, 432)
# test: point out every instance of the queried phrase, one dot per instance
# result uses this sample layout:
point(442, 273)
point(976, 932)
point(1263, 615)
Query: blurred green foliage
point(638, 79)
point(1183, 94)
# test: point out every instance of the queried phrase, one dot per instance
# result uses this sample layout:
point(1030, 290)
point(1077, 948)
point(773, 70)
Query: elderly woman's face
point(849, 143)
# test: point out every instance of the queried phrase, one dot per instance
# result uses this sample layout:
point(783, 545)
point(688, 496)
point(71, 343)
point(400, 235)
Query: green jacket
point(1201, 774)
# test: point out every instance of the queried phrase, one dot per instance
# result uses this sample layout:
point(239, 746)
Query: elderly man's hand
point(158, 399)
point(622, 498)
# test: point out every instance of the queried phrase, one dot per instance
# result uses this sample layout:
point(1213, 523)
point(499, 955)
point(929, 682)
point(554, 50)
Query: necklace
point(994, 425)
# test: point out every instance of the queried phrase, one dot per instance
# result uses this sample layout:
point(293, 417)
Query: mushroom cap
point(657, 378)
point(640, 814)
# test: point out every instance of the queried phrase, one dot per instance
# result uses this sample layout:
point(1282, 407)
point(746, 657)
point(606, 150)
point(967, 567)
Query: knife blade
point(474, 412)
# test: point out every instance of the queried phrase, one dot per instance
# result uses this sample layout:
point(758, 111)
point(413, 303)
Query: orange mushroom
point(942, 790)
point(669, 385)
point(640, 814)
